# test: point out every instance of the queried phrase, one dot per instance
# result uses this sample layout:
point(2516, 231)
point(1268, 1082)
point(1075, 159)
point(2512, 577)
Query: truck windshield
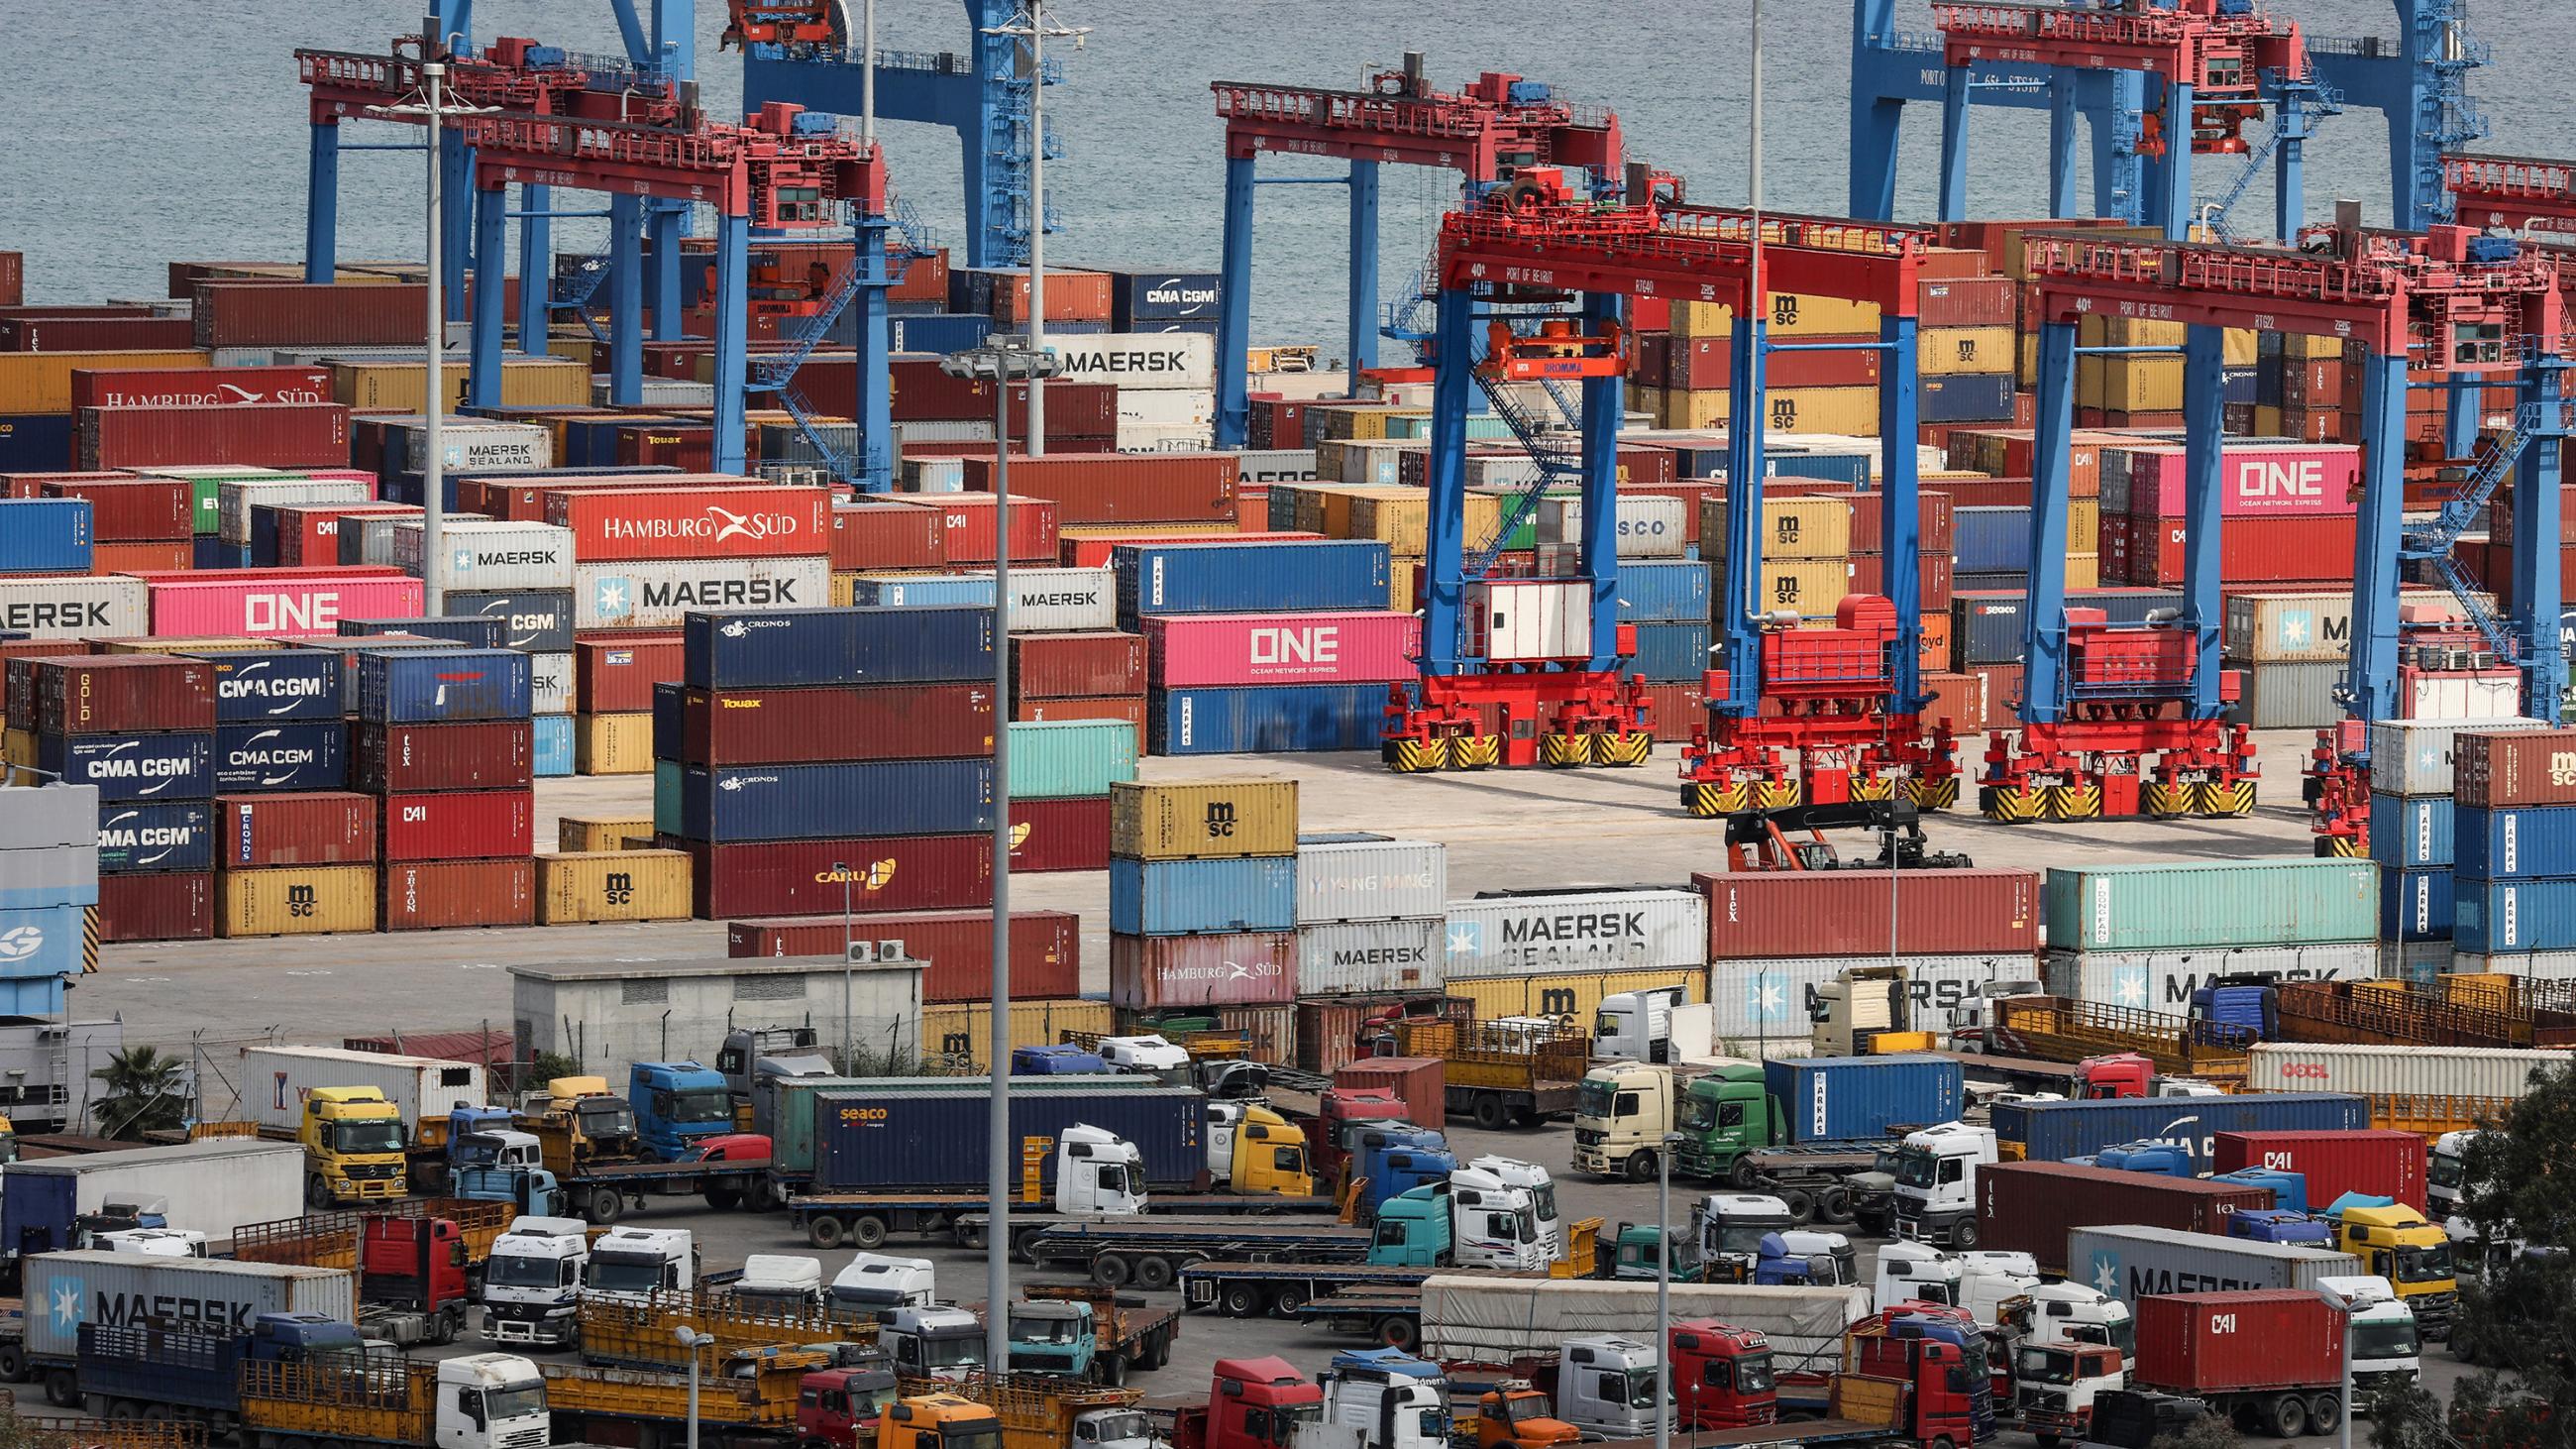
point(984, 1435)
point(1594, 1099)
point(2394, 1338)
point(697, 1106)
point(1543, 1201)
point(1697, 1113)
point(952, 1353)
point(1526, 1222)
point(1744, 1235)
point(1645, 1387)
point(625, 1273)
point(2046, 1366)
point(1285, 1419)
point(2122, 1335)
point(1753, 1373)
point(1117, 1428)
point(1046, 1330)
point(367, 1136)
point(514, 1271)
point(599, 1117)
point(1916, 1167)
point(2448, 1170)
point(514, 1401)
point(2424, 1265)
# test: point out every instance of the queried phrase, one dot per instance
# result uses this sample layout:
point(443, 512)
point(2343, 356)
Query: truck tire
point(1021, 1241)
point(1640, 1166)
point(1113, 1370)
point(724, 1197)
point(822, 1230)
point(1741, 1176)
point(2325, 1412)
point(1109, 1271)
point(607, 1205)
point(1289, 1298)
point(1397, 1331)
point(62, 1389)
point(867, 1233)
point(2289, 1416)
point(1834, 1206)
point(1802, 1208)
point(13, 1363)
point(1158, 1349)
point(1490, 1112)
point(1962, 1237)
point(1241, 1300)
point(1154, 1273)
point(317, 1194)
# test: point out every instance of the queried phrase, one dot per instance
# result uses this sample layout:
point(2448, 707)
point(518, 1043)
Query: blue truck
point(677, 1106)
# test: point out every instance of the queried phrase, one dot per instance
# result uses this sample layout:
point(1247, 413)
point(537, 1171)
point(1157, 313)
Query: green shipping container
point(783, 1109)
point(1070, 759)
point(666, 796)
point(2268, 901)
point(1526, 534)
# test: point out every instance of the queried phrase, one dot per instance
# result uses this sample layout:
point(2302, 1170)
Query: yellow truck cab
point(1255, 1152)
point(8, 1140)
point(354, 1143)
point(2399, 1244)
point(579, 1123)
point(939, 1421)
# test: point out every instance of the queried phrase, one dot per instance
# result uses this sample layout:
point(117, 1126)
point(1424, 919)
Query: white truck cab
point(1493, 1224)
point(2055, 1384)
point(874, 1283)
point(1732, 1225)
point(1396, 1405)
point(2071, 1313)
point(1098, 1172)
point(1611, 1387)
point(1993, 1286)
point(533, 1280)
point(631, 1264)
point(1636, 1026)
point(2387, 1352)
point(1147, 1056)
point(155, 1242)
point(2447, 1173)
point(1974, 1015)
point(933, 1343)
point(490, 1401)
point(1936, 1183)
point(1531, 1178)
point(779, 1282)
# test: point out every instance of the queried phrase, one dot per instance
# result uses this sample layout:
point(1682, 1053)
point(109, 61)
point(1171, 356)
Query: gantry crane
point(2126, 720)
point(1487, 132)
point(2517, 193)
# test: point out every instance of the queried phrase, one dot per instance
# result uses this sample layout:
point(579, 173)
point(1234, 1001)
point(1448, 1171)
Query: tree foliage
point(2209, 1431)
point(145, 1092)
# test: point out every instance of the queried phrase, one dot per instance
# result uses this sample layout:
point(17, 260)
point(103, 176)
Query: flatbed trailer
point(744, 1401)
point(2020, 1074)
point(623, 1333)
point(1499, 1075)
point(1150, 1252)
point(604, 1193)
point(1126, 1335)
point(330, 1239)
point(1386, 1314)
point(2054, 1028)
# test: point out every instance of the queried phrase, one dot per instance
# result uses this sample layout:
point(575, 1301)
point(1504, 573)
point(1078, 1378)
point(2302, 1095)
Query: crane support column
point(876, 404)
point(1234, 309)
point(322, 203)
point(2061, 144)
point(1603, 402)
point(1363, 353)
point(626, 301)
point(664, 225)
point(1900, 510)
point(733, 241)
point(536, 268)
point(491, 290)
point(2204, 396)
point(1739, 624)
point(2536, 504)
point(2176, 169)
point(2044, 632)
point(1445, 544)
point(1954, 145)
point(456, 197)
point(2289, 177)
point(2464, 411)
point(2373, 683)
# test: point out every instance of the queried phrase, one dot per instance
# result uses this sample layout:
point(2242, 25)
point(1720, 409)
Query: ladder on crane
point(775, 373)
point(2300, 106)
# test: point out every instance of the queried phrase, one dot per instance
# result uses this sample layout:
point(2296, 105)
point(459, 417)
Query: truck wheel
point(1109, 1271)
point(1154, 1273)
point(607, 1205)
point(1964, 1236)
point(1022, 1239)
point(13, 1363)
point(1158, 1351)
point(1802, 1208)
point(1944, 1442)
point(1640, 1164)
point(2289, 1416)
point(1397, 1331)
point(867, 1233)
point(1241, 1300)
point(1741, 1175)
point(1491, 1114)
point(62, 1390)
point(1834, 1205)
point(723, 1197)
point(2325, 1413)
point(317, 1194)
point(1113, 1371)
point(1286, 1302)
point(823, 1231)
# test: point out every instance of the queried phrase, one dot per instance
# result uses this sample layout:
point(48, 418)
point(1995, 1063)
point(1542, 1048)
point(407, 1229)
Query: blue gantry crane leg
point(1234, 288)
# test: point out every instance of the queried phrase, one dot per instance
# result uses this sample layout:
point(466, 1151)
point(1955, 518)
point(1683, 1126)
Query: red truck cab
point(833, 1405)
point(1338, 1112)
point(415, 1264)
point(1941, 1353)
point(2121, 1074)
point(1254, 1403)
point(729, 1147)
point(1722, 1376)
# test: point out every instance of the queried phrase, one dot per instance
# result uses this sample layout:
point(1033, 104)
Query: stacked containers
point(1652, 532)
point(135, 523)
point(1371, 912)
point(1806, 548)
point(2412, 820)
point(1203, 894)
point(50, 841)
point(1558, 954)
point(294, 849)
point(2143, 936)
point(613, 674)
point(2515, 836)
point(445, 739)
point(817, 759)
point(519, 577)
point(1667, 599)
point(1774, 938)
point(1061, 774)
point(1077, 675)
point(141, 729)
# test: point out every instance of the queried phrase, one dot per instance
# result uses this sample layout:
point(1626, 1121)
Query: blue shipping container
point(2412, 831)
point(275, 684)
point(41, 941)
point(1976, 397)
point(210, 552)
point(36, 1212)
point(554, 755)
point(2055, 1131)
point(35, 443)
point(1277, 719)
point(1671, 653)
point(2414, 905)
point(765, 648)
point(2513, 915)
point(44, 536)
point(1837, 467)
point(37, 996)
point(2011, 581)
point(790, 802)
point(538, 621)
point(140, 838)
point(1249, 578)
point(286, 755)
point(951, 592)
point(134, 767)
point(1654, 591)
point(1993, 540)
point(908, 1141)
point(2238, 385)
point(472, 631)
point(1846, 1099)
point(263, 535)
point(2523, 842)
point(444, 686)
point(1202, 897)
point(1137, 295)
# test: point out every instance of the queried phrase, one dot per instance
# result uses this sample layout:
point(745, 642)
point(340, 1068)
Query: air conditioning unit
point(863, 952)
point(892, 951)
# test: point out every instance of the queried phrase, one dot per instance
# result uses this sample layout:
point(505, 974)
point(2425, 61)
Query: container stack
point(2413, 820)
point(821, 760)
point(294, 847)
point(135, 523)
point(1062, 773)
point(1203, 895)
point(50, 841)
point(1085, 674)
point(517, 576)
point(1165, 381)
point(613, 675)
point(2146, 936)
point(2515, 837)
point(1806, 551)
point(141, 729)
point(1372, 912)
point(445, 740)
point(1557, 955)
point(1653, 536)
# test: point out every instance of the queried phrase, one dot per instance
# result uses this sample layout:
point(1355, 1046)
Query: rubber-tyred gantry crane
point(1487, 132)
point(2518, 193)
point(2126, 720)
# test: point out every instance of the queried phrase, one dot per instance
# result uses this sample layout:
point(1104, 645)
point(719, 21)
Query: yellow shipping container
point(2083, 570)
point(960, 1037)
point(620, 744)
point(2240, 346)
point(1792, 528)
point(1337, 505)
point(2141, 384)
point(545, 382)
point(394, 385)
point(2304, 347)
point(41, 382)
point(1575, 994)
point(1793, 314)
point(1209, 820)
point(18, 758)
point(298, 900)
point(1401, 517)
point(581, 834)
point(1362, 420)
point(1850, 411)
point(1401, 577)
point(2083, 525)
point(2267, 421)
point(2100, 331)
point(1650, 401)
point(1700, 407)
point(612, 885)
point(203, 644)
point(2026, 371)
point(1812, 588)
point(1941, 351)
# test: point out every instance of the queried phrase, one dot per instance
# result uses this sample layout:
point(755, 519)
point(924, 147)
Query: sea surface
point(139, 134)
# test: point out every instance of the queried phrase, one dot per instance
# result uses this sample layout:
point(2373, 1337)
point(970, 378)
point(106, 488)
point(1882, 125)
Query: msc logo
point(1556, 1001)
point(620, 889)
point(1220, 820)
point(300, 900)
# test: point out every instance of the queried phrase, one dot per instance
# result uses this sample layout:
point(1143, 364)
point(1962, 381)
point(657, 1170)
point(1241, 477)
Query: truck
point(2130, 1263)
point(1253, 1151)
point(1056, 1061)
point(727, 1170)
point(1084, 1333)
point(632, 1264)
point(1472, 1220)
point(1721, 1377)
point(579, 1124)
point(1623, 1111)
point(1992, 1286)
point(1516, 1072)
point(533, 1280)
point(2065, 1312)
point(1533, 1179)
point(912, 1139)
point(355, 1112)
point(2398, 1243)
point(939, 1342)
point(2056, 1385)
point(211, 1187)
point(2055, 1131)
point(871, 1283)
point(1513, 1414)
point(744, 1398)
point(2370, 1162)
point(1095, 1175)
point(2028, 1207)
point(1792, 1128)
point(191, 1371)
point(1500, 1320)
point(2387, 1352)
point(677, 1105)
point(644, 1333)
point(1253, 1403)
point(117, 1289)
point(2270, 1359)
point(2446, 1172)
point(1935, 1183)
point(2056, 1028)
point(784, 1283)
point(1042, 1413)
point(783, 1109)
point(333, 1239)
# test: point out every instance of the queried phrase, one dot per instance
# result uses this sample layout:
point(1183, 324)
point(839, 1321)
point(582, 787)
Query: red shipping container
point(1958, 700)
point(2003, 693)
point(1706, 364)
point(198, 387)
point(1830, 913)
point(957, 947)
point(32, 485)
point(1121, 487)
point(1093, 550)
point(1059, 835)
point(1249, 968)
point(877, 722)
point(1072, 666)
point(137, 558)
point(1246, 649)
point(2250, 550)
point(1277, 422)
point(524, 501)
point(1650, 359)
point(1933, 572)
point(967, 528)
point(2246, 1341)
point(308, 535)
point(457, 825)
point(330, 827)
point(399, 759)
point(437, 894)
point(303, 314)
point(1673, 711)
point(616, 525)
point(795, 877)
point(2532, 768)
point(18, 679)
point(94, 334)
point(2500, 515)
point(1420, 1083)
point(1645, 464)
point(2028, 1207)
point(1071, 296)
point(106, 694)
point(616, 676)
point(278, 435)
point(128, 509)
point(1125, 708)
point(1963, 302)
point(668, 445)
point(925, 393)
point(13, 279)
point(885, 536)
point(2374, 1163)
point(171, 906)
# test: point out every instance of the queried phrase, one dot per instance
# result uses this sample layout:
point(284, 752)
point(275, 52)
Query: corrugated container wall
point(746, 649)
point(1604, 931)
point(1353, 958)
point(2163, 981)
point(104, 1287)
point(2418, 756)
point(2027, 1207)
point(1844, 913)
point(1828, 1099)
point(2374, 1163)
point(1253, 968)
point(2203, 1343)
point(2131, 1263)
point(1203, 821)
point(1369, 878)
point(2055, 1131)
point(2259, 902)
point(2421, 1071)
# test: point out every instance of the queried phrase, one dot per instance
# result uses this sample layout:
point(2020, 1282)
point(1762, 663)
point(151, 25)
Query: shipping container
point(276, 603)
point(928, 1140)
point(2163, 981)
point(73, 606)
point(457, 825)
point(645, 594)
point(2521, 915)
point(2135, 1263)
point(789, 726)
point(1363, 957)
point(616, 676)
point(1143, 361)
point(967, 522)
point(1369, 877)
point(489, 557)
point(1070, 758)
point(120, 509)
point(45, 535)
point(1592, 931)
point(86, 694)
point(276, 684)
point(2254, 902)
point(1203, 820)
point(886, 536)
point(2412, 830)
point(806, 877)
point(1042, 599)
point(1153, 972)
point(174, 835)
point(133, 767)
point(1846, 1099)
point(235, 493)
point(1271, 719)
point(1059, 835)
point(2414, 1071)
point(2515, 843)
point(1763, 1006)
point(2054, 1131)
point(1187, 897)
point(2515, 768)
point(436, 894)
point(2027, 1207)
point(290, 755)
point(270, 313)
point(443, 686)
point(162, 906)
point(736, 804)
point(609, 744)
point(745, 521)
point(2219, 1345)
point(1116, 488)
point(2415, 756)
point(750, 649)
point(1076, 665)
point(2373, 1163)
point(959, 1036)
point(200, 386)
point(579, 834)
point(1303, 648)
point(1223, 578)
point(412, 758)
point(109, 1288)
point(1845, 913)
point(954, 947)
point(279, 435)
point(320, 828)
point(1420, 1083)
point(295, 900)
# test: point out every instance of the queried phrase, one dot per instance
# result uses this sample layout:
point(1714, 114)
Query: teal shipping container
point(1070, 759)
point(2266, 901)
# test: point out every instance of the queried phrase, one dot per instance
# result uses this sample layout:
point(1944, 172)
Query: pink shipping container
point(302, 314)
point(231, 387)
point(1844, 913)
point(1251, 968)
point(1239, 649)
point(458, 825)
point(1421, 1083)
point(1046, 948)
point(274, 435)
point(2316, 480)
point(330, 827)
point(278, 603)
point(2374, 1163)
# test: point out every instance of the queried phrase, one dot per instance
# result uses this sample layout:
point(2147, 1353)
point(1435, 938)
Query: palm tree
point(145, 1092)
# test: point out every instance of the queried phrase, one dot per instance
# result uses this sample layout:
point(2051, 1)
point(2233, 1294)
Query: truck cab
point(1722, 1376)
point(2064, 1312)
point(1800, 1258)
point(834, 1404)
point(1622, 1113)
point(491, 1401)
point(2279, 1225)
point(1943, 1357)
point(936, 1421)
point(1379, 1398)
point(677, 1104)
point(2289, 1189)
point(1513, 1414)
point(1255, 1152)
point(579, 1122)
point(2113, 1076)
point(2387, 1352)
point(2398, 1243)
point(1147, 1056)
point(629, 1265)
point(2135, 1419)
point(933, 1343)
point(745, 1049)
point(1628, 1252)
point(153, 1242)
point(1611, 1386)
point(1052, 1336)
point(1468, 1220)
point(1723, 1115)
point(532, 1282)
point(1056, 1061)
point(1730, 1227)
point(1253, 1403)
point(1395, 1158)
point(1531, 1178)
point(2162, 1159)
point(782, 1283)
point(1936, 1183)
point(415, 1267)
point(504, 1165)
point(2447, 1172)
point(1100, 1172)
point(1972, 1018)
point(1341, 1115)
point(2056, 1385)
point(2241, 1003)
point(354, 1147)
point(871, 1284)
point(1636, 1026)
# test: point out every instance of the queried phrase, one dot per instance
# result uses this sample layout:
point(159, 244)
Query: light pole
point(1032, 26)
point(1001, 361)
point(841, 868)
point(1664, 1289)
point(692, 1340)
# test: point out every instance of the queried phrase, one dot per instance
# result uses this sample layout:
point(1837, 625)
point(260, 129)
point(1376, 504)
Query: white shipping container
point(488, 555)
point(1163, 437)
point(1354, 958)
point(2538, 965)
point(2397, 1070)
point(1488, 472)
point(2162, 981)
point(1043, 600)
point(1166, 408)
point(551, 682)
point(276, 1079)
point(1580, 931)
point(75, 606)
point(1278, 465)
point(106, 1288)
point(942, 430)
point(1649, 525)
point(1772, 1000)
point(1521, 620)
point(1493, 1320)
point(2130, 1263)
point(648, 595)
point(659, 392)
point(2291, 696)
point(2414, 756)
point(933, 475)
point(1369, 878)
point(2484, 695)
point(2417, 962)
point(211, 1187)
point(233, 499)
point(1139, 360)
point(2288, 628)
point(469, 445)
point(1377, 462)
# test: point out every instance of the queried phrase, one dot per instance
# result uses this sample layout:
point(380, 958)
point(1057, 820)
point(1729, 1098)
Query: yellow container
point(2026, 371)
point(576, 834)
point(2141, 384)
point(1575, 994)
point(204, 644)
point(1811, 588)
point(1700, 407)
point(1362, 420)
point(547, 382)
point(1337, 505)
point(1942, 351)
point(1792, 529)
point(1401, 576)
point(1850, 411)
point(2240, 347)
point(41, 382)
point(18, 758)
point(1792, 314)
point(301, 900)
point(616, 744)
point(2083, 525)
point(2304, 347)
point(1401, 517)
point(2267, 421)
point(1210, 820)
point(612, 885)
point(1650, 401)
point(960, 1037)
point(394, 385)
point(2083, 570)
